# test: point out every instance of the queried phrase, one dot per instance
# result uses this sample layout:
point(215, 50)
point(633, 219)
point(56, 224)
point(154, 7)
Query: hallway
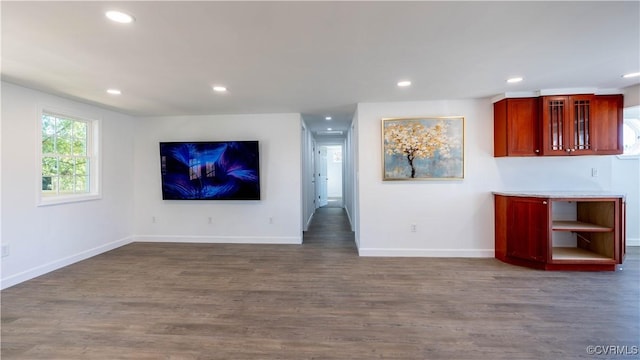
point(330, 229)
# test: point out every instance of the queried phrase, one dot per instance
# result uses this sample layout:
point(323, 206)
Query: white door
point(321, 173)
point(334, 173)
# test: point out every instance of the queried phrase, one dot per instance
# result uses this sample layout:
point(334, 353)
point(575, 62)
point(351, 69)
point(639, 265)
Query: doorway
point(329, 176)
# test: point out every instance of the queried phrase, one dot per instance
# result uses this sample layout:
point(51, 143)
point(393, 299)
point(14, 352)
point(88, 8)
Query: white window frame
point(633, 124)
point(93, 152)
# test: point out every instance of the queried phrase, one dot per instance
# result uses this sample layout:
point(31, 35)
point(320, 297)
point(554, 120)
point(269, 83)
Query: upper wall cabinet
point(516, 127)
point(608, 139)
point(558, 125)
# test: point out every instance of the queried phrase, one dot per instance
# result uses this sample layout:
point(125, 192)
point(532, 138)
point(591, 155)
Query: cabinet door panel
point(555, 113)
point(516, 127)
point(523, 127)
point(528, 229)
point(580, 127)
point(622, 233)
point(607, 125)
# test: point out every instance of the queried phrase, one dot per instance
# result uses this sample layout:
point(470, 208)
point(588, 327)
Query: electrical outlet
point(594, 172)
point(210, 220)
point(270, 220)
point(5, 250)
point(413, 228)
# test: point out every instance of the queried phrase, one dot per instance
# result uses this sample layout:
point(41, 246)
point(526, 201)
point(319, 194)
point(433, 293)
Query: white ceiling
point(315, 58)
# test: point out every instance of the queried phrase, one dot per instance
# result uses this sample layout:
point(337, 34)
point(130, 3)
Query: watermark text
point(613, 350)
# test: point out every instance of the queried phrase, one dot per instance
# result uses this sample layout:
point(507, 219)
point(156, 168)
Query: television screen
point(213, 170)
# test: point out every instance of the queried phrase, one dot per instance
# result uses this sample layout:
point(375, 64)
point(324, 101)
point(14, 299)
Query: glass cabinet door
point(581, 118)
point(556, 109)
point(567, 124)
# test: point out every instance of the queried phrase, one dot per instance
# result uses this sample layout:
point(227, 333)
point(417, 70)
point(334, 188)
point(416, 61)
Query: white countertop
point(562, 194)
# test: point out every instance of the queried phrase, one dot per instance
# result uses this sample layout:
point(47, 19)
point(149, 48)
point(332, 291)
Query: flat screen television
point(210, 170)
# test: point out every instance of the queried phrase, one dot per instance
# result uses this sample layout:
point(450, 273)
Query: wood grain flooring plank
point(318, 300)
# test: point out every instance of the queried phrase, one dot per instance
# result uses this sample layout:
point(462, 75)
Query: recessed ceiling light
point(114, 91)
point(404, 83)
point(514, 80)
point(328, 118)
point(630, 75)
point(119, 17)
point(218, 88)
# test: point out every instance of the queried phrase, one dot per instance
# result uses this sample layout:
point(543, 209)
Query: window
point(68, 159)
point(631, 136)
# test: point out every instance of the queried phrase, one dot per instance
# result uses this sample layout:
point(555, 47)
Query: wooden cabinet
point(560, 233)
point(567, 125)
point(608, 139)
point(516, 127)
point(527, 220)
point(558, 125)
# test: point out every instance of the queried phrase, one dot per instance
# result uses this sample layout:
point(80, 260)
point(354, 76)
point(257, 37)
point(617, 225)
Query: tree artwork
point(429, 145)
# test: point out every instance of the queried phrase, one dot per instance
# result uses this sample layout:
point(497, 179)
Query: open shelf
point(570, 253)
point(567, 225)
point(549, 232)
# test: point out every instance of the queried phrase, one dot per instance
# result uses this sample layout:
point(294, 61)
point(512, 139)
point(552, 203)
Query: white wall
point(627, 176)
point(1, 239)
point(351, 192)
point(308, 184)
point(452, 218)
point(42, 239)
point(232, 221)
point(632, 96)
point(627, 180)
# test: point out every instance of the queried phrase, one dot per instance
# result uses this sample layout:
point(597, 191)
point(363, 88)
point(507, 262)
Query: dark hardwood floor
point(318, 300)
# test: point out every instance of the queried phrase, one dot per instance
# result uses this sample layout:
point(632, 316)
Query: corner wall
point(351, 194)
point(308, 185)
point(43, 239)
point(276, 218)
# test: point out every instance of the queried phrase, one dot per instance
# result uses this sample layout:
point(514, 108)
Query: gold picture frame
point(423, 148)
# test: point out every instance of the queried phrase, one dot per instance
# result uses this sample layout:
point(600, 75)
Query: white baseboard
point(220, 239)
point(346, 210)
point(57, 264)
point(633, 241)
point(306, 226)
point(453, 253)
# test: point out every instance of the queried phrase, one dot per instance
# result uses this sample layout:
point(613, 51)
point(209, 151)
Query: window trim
point(636, 127)
point(94, 146)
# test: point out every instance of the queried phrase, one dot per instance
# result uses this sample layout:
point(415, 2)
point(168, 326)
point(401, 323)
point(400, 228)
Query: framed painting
point(424, 148)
